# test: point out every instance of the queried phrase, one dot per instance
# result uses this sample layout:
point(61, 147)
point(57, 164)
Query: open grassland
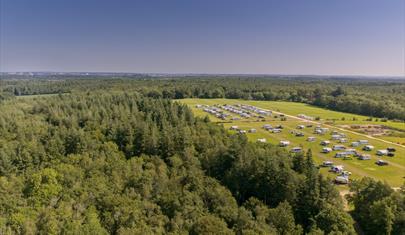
point(292, 108)
point(393, 173)
point(326, 116)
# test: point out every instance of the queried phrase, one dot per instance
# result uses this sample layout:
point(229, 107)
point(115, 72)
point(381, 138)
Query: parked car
point(326, 150)
point(364, 157)
point(347, 157)
point(382, 152)
point(341, 180)
point(381, 163)
point(368, 148)
point(311, 139)
point(327, 164)
point(299, 134)
point(337, 169)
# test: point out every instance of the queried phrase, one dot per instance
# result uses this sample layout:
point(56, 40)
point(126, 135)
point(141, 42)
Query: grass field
point(393, 173)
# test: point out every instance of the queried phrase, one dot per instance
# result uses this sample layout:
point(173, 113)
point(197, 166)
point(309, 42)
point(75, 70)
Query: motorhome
point(342, 140)
point(341, 180)
point(284, 143)
point(355, 144)
point(368, 148)
point(299, 134)
point(381, 163)
point(337, 168)
point(311, 139)
point(326, 150)
point(336, 137)
point(364, 156)
point(382, 152)
point(267, 127)
point(325, 142)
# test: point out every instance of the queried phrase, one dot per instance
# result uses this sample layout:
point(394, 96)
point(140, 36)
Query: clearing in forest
point(299, 122)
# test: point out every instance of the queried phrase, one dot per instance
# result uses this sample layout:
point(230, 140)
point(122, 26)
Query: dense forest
point(121, 157)
point(370, 97)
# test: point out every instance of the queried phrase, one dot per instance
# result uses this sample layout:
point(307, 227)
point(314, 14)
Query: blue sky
point(357, 37)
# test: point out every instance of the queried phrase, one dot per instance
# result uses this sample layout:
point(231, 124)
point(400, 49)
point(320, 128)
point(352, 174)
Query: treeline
point(378, 208)
point(382, 99)
point(100, 163)
point(109, 162)
point(376, 98)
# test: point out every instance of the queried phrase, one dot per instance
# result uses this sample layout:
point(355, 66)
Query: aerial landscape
point(202, 117)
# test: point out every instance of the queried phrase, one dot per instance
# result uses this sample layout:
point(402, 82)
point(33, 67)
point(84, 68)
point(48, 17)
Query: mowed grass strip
point(393, 173)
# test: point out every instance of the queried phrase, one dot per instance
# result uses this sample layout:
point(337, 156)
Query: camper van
point(368, 148)
point(341, 180)
point(382, 152)
point(325, 142)
point(326, 150)
point(261, 140)
point(336, 137)
point(311, 139)
point(381, 163)
point(364, 156)
point(342, 140)
point(337, 169)
point(252, 130)
point(355, 144)
point(299, 134)
point(267, 127)
point(284, 143)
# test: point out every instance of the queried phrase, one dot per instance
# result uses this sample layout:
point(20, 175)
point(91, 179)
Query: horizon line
point(199, 74)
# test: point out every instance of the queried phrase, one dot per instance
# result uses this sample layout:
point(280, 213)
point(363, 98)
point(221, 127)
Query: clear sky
point(341, 37)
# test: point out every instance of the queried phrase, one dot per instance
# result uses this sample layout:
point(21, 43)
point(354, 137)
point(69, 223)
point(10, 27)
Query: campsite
point(356, 152)
point(202, 117)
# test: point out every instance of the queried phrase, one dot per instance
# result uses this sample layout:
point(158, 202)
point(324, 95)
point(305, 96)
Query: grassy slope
point(393, 173)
